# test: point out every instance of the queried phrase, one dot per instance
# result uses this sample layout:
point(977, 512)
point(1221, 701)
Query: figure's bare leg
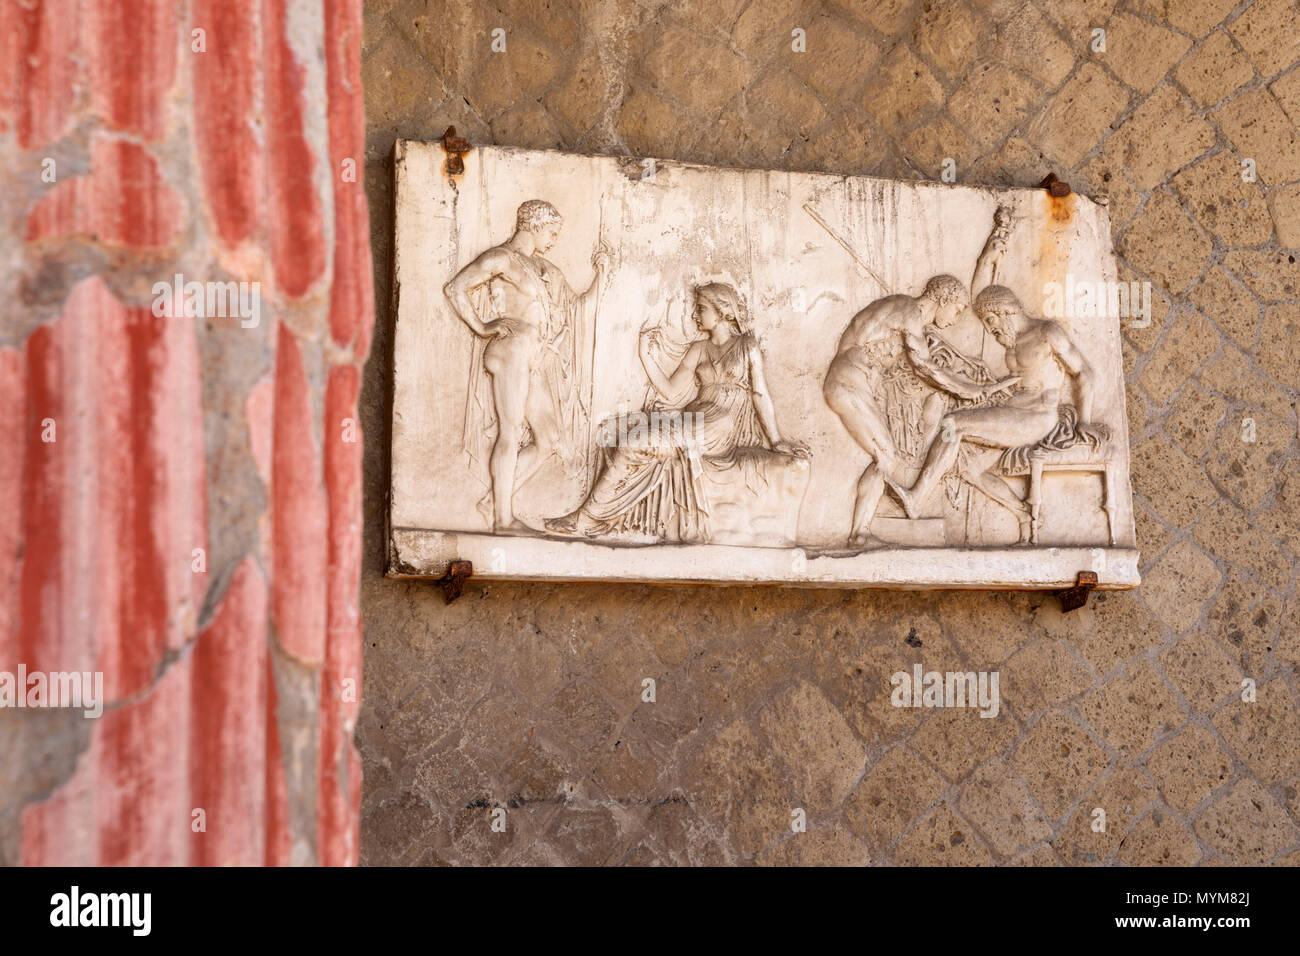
point(940, 457)
point(867, 424)
point(505, 456)
point(1001, 427)
point(870, 488)
point(864, 421)
point(932, 413)
point(1008, 427)
point(1005, 426)
point(932, 419)
point(506, 360)
point(995, 487)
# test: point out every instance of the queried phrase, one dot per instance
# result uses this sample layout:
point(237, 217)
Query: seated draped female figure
point(654, 487)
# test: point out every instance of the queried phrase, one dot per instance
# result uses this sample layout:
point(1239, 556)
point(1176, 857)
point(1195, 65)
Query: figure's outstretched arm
point(918, 351)
point(1076, 365)
point(667, 385)
point(946, 355)
point(764, 408)
point(762, 398)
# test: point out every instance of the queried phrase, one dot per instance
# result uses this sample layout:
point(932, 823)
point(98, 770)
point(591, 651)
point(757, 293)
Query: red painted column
point(180, 503)
point(351, 319)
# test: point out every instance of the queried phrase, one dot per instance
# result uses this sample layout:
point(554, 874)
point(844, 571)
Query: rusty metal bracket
point(455, 148)
point(1076, 597)
point(458, 572)
point(1055, 186)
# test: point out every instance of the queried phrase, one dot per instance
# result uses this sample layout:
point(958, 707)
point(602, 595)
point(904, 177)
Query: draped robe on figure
point(657, 489)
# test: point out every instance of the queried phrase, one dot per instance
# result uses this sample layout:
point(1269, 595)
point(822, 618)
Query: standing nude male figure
point(530, 352)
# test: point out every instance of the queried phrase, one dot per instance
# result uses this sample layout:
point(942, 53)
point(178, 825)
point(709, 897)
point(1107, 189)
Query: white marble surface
point(772, 236)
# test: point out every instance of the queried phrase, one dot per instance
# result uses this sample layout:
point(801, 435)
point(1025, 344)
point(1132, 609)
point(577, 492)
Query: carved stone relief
point(665, 372)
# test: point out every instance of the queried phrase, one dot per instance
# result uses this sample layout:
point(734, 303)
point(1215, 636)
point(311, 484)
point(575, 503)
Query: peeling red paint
point(132, 63)
point(115, 502)
point(298, 511)
point(341, 676)
point(125, 201)
point(228, 730)
point(116, 434)
point(13, 425)
point(126, 804)
point(39, 71)
point(142, 806)
point(61, 829)
point(43, 598)
point(227, 114)
point(278, 842)
point(297, 229)
point(351, 321)
point(351, 304)
point(103, 530)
